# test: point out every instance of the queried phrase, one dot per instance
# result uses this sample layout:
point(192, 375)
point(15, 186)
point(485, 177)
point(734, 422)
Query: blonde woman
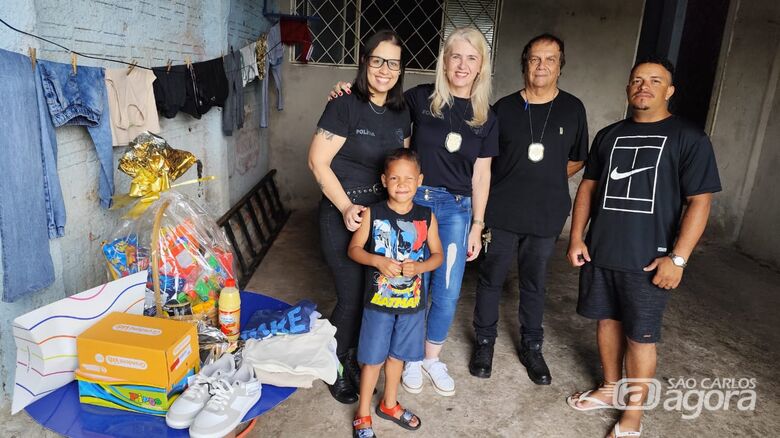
point(455, 134)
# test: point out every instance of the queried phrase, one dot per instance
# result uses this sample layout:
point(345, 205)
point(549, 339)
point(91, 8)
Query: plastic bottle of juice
point(230, 310)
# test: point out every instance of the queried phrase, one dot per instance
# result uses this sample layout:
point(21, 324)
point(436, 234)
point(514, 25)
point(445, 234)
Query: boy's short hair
point(402, 154)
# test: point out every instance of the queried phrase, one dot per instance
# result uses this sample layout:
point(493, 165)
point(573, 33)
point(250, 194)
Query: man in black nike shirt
point(543, 140)
point(642, 175)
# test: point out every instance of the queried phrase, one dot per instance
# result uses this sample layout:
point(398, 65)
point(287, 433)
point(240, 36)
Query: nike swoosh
point(620, 175)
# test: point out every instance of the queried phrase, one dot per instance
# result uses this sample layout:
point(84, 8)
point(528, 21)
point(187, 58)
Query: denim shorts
point(628, 297)
point(384, 334)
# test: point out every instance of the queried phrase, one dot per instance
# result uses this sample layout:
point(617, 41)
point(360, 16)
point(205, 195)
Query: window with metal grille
point(423, 25)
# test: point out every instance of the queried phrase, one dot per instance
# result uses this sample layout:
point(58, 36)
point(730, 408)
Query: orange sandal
point(406, 415)
point(364, 432)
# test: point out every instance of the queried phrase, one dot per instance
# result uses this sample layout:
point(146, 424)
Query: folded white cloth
point(292, 359)
point(286, 379)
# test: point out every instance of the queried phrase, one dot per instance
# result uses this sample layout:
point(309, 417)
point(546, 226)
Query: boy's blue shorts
point(385, 334)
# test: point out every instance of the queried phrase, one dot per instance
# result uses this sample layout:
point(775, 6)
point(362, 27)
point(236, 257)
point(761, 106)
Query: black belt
point(375, 189)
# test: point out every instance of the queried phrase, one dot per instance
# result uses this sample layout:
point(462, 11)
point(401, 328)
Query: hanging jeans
point(76, 99)
point(27, 264)
point(453, 215)
point(273, 66)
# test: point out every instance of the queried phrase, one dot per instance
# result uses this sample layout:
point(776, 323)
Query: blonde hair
point(480, 89)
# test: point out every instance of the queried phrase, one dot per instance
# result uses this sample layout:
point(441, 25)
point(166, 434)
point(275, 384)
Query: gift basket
point(170, 235)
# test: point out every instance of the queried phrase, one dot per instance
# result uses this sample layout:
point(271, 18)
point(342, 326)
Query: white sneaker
point(442, 382)
point(411, 378)
point(184, 409)
point(232, 399)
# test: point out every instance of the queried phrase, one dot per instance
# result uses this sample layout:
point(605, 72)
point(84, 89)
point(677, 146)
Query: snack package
point(195, 257)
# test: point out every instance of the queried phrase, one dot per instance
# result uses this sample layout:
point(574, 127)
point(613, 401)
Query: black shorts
point(628, 297)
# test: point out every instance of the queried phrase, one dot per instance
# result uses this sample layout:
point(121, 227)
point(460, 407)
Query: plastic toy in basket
point(189, 256)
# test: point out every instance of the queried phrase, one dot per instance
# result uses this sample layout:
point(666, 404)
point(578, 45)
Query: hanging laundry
point(260, 53)
point(170, 89)
point(79, 99)
point(131, 101)
point(54, 201)
point(211, 86)
point(248, 63)
point(296, 31)
point(273, 62)
point(233, 114)
point(191, 93)
point(27, 264)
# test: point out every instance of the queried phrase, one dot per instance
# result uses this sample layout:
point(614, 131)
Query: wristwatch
point(678, 260)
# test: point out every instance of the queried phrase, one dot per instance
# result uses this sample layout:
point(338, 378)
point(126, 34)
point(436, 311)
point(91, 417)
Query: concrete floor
point(721, 323)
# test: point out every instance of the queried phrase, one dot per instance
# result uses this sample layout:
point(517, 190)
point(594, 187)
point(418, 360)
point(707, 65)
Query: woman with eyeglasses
point(353, 137)
point(455, 135)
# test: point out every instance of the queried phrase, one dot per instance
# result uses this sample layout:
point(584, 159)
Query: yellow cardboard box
point(135, 362)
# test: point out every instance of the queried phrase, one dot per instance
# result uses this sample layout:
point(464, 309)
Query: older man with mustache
point(543, 140)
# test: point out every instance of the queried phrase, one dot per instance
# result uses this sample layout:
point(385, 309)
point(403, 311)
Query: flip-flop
point(585, 396)
point(617, 433)
point(406, 416)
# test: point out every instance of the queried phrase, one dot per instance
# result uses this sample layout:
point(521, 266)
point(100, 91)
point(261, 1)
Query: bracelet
point(478, 222)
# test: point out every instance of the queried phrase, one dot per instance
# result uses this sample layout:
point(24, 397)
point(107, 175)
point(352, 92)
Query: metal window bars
point(422, 24)
point(253, 224)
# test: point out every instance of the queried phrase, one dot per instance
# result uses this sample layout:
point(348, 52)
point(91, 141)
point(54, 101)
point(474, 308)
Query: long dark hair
point(395, 97)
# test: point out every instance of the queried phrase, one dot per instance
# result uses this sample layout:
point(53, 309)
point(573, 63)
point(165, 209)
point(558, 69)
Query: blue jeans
point(27, 264)
point(79, 99)
point(453, 214)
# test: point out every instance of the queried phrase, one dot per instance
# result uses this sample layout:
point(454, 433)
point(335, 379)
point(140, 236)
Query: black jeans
point(348, 276)
point(533, 253)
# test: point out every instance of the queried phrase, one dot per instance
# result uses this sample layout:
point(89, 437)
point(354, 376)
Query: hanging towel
point(27, 264)
point(248, 63)
point(233, 114)
point(79, 99)
point(131, 101)
point(296, 31)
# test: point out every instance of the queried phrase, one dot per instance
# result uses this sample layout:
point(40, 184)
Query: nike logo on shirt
point(620, 175)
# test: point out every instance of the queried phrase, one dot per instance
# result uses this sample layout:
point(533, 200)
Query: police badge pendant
point(452, 142)
point(535, 152)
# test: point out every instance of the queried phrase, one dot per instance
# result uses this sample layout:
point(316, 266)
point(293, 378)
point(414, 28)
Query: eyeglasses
point(376, 62)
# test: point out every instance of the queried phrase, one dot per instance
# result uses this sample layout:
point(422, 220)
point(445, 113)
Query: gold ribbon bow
point(153, 165)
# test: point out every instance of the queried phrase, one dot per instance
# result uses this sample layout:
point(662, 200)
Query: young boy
point(392, 245)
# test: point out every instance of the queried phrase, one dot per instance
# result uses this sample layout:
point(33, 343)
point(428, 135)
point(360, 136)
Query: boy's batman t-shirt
point(400, 237)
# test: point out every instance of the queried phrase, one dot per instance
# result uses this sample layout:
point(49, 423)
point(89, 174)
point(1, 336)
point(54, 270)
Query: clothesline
point(129, 64)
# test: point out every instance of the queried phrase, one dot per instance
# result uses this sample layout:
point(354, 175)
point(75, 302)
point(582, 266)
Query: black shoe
point(481, 363)
point(531, 356)
point(352, 369)
point(342, 389)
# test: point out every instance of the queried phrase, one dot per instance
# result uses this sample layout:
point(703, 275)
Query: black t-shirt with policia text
point(644, 171)
point(370, 132)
